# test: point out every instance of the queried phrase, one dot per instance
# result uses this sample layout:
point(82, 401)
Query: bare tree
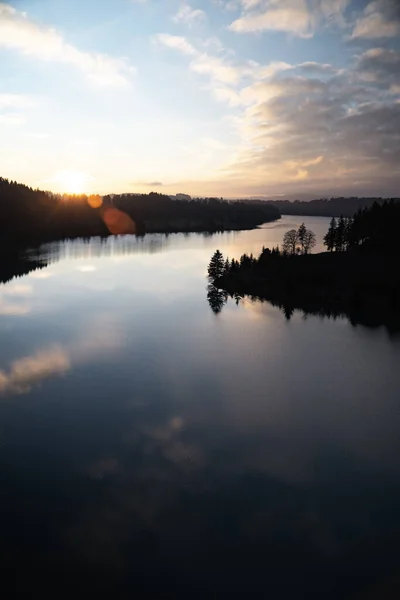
point(309, 241)
point(290, 241)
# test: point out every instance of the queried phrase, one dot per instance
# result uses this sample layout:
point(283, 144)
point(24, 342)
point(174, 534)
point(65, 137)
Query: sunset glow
point(238, 98)
point(71, 182)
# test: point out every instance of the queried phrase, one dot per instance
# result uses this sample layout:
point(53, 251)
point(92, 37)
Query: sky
point(236, 98)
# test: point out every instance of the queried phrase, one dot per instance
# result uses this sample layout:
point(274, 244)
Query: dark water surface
point(150, 448)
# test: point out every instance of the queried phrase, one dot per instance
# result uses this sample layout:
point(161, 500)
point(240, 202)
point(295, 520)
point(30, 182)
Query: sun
point(72, 182)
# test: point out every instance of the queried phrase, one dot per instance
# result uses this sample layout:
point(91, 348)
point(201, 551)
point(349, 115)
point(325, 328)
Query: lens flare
point(95, 201)
point(118, 222)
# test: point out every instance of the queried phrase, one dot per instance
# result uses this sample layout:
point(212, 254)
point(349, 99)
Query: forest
point(358, 276)
point(31, 217)
point(324, 207)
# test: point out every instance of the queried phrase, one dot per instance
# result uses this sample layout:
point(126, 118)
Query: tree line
point(327, 207)
point(295, 242)
point(358, 276)
point(374, 229)
point(29, 216)
point(371, 230)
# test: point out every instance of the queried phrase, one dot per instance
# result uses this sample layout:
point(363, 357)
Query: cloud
point(297, 17)
point(24, 373)
point(374, 26)
point(336, 130)
point(148, 183)
point(18, 32)
point(100, 336)
point(286, 16)
point(18, 289)
point(14, 101)
point(175, 42)
point(307, 126)
point(380, 66)
point(381, 19)
point(216, 67)
point(12, 118)
point(188, 15)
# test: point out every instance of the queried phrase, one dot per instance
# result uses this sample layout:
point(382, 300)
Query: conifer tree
point(330, 236)
point(216, 266)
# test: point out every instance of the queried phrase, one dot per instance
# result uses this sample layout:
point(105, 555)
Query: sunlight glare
point(72, 182)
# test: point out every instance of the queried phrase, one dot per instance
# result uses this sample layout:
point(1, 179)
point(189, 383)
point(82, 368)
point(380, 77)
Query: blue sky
point(208, 97)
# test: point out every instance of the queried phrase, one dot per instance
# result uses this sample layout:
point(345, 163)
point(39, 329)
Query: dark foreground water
point(150, 448)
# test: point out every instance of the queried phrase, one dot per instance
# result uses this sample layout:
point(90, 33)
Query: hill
point(29, 216)
point(324, 207)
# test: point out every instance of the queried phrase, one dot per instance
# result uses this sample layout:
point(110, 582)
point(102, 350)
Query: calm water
point(150, 448)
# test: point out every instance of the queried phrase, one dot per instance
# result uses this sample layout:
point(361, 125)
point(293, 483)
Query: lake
point(151, 448)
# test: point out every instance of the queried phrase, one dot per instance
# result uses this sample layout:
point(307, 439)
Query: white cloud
point(175, 42)
point(14, 101)
point(12, 118)
point(297, 17)
point(20, 33)
point(188, 15)
point(216, 68)
point(9, 103)
point(287, 17)
point(221, 69)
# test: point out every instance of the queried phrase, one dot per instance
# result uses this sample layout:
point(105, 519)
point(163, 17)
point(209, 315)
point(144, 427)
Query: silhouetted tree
point(216, 266)
point(324, 207)
point(233, 266)
point(227, 266)
point(309, 241)
point(290, 241)
point(347, 233)
point(340, 235)
point(301, 235)
point(303, 240)
point(330, 236)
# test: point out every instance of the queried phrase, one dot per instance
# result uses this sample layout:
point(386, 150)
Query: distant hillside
point(30, 216)
point(323, 207)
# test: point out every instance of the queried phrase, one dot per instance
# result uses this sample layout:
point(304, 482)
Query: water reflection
point(30, 370)
point(16, 263)
point(367, 316)
point(113, 246)
point(216, 298)
point(151, 449)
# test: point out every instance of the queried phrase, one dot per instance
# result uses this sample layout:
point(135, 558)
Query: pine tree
point(340, 235)
point(216, 266)
point(227, 266)
point(330, 236)
point(348, 233)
